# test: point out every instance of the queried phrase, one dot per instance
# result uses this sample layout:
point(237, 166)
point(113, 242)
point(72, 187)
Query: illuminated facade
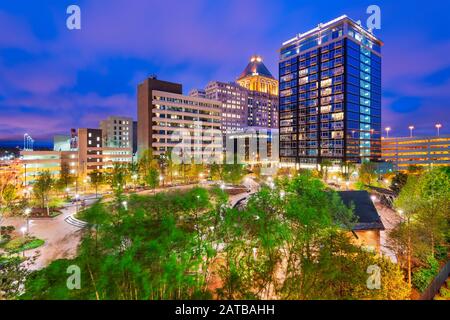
point(169, 119)
point(117, 132)
point(330, 95)
point(256, 77)
point(416, 151)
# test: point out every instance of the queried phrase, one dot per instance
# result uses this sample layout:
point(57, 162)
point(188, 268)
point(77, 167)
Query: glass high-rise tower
point(330, 95)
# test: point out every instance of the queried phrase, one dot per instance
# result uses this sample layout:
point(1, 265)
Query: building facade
point(330, 95)
point(416, 151)
point(234, 105)
point(88, 154)
point(117, 132)
point(167, 119)
point(93, 154)
point(250, 101)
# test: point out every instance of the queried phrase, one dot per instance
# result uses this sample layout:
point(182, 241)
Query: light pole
point(23, 230)
point(27, 214)
point(411, 128)
point(77, 196)
point(438, 127)
point(388, 129)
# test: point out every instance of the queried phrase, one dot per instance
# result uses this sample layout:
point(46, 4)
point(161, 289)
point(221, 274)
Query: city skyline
point(54, 79)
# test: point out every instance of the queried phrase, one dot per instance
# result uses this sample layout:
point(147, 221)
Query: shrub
point(445, 293)
point(21, 244)
point(423, 277)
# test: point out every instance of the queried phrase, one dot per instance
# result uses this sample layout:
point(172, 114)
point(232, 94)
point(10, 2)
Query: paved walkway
point(61, 239)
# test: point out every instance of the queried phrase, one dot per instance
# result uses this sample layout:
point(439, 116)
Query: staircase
point(75, 222)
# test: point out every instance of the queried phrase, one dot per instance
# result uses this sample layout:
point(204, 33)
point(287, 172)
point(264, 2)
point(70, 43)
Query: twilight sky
point(52, 78)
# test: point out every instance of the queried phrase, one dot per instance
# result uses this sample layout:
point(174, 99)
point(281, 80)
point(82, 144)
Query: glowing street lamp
point(411, 128)
point(388, 129)
point(373, 198)
point(438, 127)
point(27, 214)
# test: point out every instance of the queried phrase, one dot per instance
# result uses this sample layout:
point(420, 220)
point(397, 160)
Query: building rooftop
point(256, 67)
point(365, 211)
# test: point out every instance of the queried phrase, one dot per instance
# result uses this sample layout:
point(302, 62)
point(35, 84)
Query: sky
point(53, 79)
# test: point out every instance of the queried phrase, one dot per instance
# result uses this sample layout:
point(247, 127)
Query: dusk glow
point(53, 78)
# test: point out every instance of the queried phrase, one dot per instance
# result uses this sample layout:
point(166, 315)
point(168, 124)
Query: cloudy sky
point(52, 79)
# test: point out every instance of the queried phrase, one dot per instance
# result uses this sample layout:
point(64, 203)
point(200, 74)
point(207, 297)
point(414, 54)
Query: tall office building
point(250, 101)
point(166, 117)
point(117, 132)
point(330, 95)
point(234, 104)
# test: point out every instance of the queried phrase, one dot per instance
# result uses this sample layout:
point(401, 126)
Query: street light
point(373, 198)
point(27, 214)
point(411, 128)
point(77, 196)
point(438, 127)
point(388, 129)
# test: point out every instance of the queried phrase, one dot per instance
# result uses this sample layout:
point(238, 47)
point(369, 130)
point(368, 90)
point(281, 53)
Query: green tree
point(65, 177)
point(367, 174)
point(398, 182)
point(42, 188)
point(233, 173)
point(96, 179)
point(152, 178)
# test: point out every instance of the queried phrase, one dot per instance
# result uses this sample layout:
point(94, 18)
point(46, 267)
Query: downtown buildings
point(251, 101)
point(330, 95)
point(80, 153)
point(167, 119)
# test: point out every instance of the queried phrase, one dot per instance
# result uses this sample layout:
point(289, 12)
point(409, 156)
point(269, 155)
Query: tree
point(233, 173)
point(367, 173)
point(42, 188)
point(152, 178)
point(13, 274)
point(117, 178)
point(8, 191)
point(324, 166)
point(347, 169)
point(434, 203)
point(96, 179)
point(65, 177)
point(398, 182)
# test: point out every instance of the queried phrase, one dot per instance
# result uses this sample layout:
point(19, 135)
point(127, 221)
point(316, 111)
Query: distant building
point(234, 105)
point(90, 154)
point(416, 151)
point(117, 132)
point(256, 77)
point(135, 137)
point(330, 95)
point(169, 119)
point(199, 93)
point(93, 154)
point(33, 163)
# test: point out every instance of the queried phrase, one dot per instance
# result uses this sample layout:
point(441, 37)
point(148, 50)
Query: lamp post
point(388, 129)
point(23, 230)
point(27, 214)
point(438, 127)
point(77, 196)
point(411, 128)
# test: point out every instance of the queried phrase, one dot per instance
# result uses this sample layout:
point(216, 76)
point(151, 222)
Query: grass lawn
point(21, 244)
